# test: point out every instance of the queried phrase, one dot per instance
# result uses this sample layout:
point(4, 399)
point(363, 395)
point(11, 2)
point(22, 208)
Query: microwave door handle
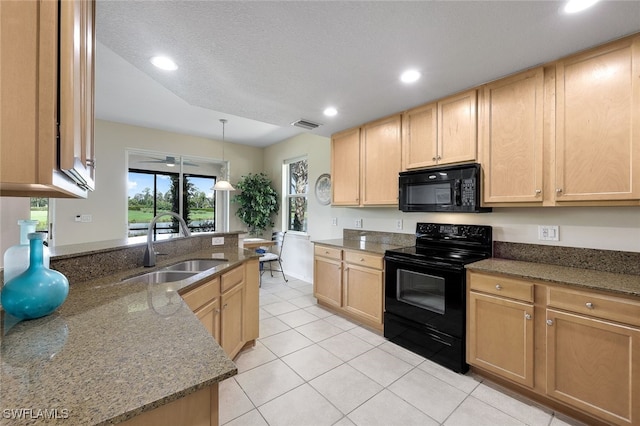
point(457, 192)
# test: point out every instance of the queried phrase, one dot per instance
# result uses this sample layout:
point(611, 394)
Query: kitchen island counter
point(112, 351)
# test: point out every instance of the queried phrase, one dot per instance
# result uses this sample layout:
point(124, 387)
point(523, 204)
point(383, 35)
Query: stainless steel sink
point(158, 277)
point(196, 265)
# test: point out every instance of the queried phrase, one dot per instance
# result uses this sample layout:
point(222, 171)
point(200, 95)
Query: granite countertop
point(112, 350)
point(625, 284)
point(368, 246)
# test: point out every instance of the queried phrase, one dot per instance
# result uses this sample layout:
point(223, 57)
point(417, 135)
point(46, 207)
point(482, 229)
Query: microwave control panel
point(468, 192)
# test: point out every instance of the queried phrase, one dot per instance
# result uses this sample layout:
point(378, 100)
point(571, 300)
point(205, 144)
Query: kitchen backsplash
point(401, 240)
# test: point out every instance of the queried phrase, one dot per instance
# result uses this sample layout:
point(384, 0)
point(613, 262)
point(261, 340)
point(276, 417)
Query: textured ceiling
point(265, 64)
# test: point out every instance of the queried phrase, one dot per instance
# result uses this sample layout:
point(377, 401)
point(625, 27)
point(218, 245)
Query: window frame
point(287, 196)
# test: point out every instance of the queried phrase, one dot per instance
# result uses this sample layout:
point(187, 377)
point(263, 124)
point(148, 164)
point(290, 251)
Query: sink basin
point(196, 265)
point(157, 277)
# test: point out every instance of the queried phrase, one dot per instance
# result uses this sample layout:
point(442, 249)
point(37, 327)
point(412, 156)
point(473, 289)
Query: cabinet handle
point(217, 311)
point(326, 252)
point(549, 322)
point(558, 190)
point(498, 287)
point(224, 306)
point(589, 305)
point(91, 162)
point(434, 158)
point(527, 316)
point(538, 191)
point(439, 157)
point(362, 259)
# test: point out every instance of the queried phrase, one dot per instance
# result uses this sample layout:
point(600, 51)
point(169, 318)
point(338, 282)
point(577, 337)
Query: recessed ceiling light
point(164, 63)
point(410, 76)
point(330, 112)
point(575, 6)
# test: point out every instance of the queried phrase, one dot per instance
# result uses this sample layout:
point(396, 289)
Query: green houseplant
point(258, 202)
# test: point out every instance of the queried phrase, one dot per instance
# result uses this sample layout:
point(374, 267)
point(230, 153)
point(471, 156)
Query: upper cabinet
point(598, 124)
point(46, 79)
point(511, 138)
point(442, 132)
point(365, 163)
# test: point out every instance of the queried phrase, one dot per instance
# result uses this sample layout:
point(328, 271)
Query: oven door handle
point(408, 264)
point(457, 192)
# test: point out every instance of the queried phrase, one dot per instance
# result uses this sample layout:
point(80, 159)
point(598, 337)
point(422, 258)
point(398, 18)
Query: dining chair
point(274, 254)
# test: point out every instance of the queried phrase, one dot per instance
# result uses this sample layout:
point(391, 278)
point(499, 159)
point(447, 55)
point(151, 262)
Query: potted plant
point(258, 202)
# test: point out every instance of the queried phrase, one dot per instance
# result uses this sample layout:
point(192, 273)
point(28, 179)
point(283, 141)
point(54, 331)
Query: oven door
point(428, 294)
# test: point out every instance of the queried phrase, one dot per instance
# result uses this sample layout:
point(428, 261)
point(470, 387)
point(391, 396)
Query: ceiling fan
point(170, 162)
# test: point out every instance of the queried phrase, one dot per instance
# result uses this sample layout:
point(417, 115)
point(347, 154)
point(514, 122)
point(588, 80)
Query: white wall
point(12, 209)
point(108, 203)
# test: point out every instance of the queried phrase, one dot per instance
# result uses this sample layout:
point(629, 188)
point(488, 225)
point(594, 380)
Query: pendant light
point(223, 185)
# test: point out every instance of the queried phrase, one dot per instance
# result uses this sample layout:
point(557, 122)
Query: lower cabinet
point(352, 282)
point(231, 321)
point(581, 351)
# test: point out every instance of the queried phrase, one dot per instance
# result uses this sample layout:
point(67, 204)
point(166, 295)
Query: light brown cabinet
point(568, 348)
point(363, 287)
point(500, 327)
point(365, 163)
point(511, 138)
point(231, 320)
point(443, 132)
point(46, 80)
point(351, 282)
point(327, 275)
point(597, 150)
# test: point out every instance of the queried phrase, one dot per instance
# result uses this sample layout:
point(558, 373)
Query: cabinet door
point(457, 128)
point(252, 300)
point(77, 46)
point(231, 320)
point(598, 124)
point(511, 138)
point(209, 316)
point(593, 365)
point(363, 292)
point(420, 137)
point(381, 161)
point(500, 337)
point(327, 281)
point(345, 168)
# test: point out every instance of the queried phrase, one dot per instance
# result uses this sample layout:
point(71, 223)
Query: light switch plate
point(334, 221)
point(217, 241)
point(358, 223)
point(548, 233)
point(86, 218)
point(399, 224)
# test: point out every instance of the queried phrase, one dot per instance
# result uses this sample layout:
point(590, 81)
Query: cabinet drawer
point(363, 259)
point(502, 286)
point(232, 278)
point(203, 294)
point(332, 253)
point(595, 305)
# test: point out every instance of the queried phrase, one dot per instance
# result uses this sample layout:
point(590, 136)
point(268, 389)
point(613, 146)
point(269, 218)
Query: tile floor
point(313, 368)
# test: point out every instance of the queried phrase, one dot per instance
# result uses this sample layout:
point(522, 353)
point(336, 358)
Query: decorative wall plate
point(323, 189)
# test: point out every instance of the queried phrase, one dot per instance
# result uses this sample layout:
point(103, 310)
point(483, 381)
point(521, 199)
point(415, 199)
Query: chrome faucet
point(149, 252)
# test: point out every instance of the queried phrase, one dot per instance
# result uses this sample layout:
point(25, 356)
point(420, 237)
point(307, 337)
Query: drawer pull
point(549, 322)
point(527, 316)
point(326, 252)
point(362, 259)
point(589, 305)
point(498, 287)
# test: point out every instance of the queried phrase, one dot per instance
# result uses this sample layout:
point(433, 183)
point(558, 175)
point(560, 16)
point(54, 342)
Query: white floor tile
point(271, 326)
point(318, 330)
point(562, 420)
point(525, 412)
point(279, 308)
point(340, 322)
point(268, 381)
point(402, 353)
point(269, 298)
point(346, 346)
point(304, 301)
point(346, 387)
point(311, 361)
point(304, 288)
point(380, 366)
point(297, 318)
point(344, 422)
point(430, 395)
point(253, 357)
point(286, 342)
point(252, 418)
point(465, 382)
point(232, 401)
point(288, 294)
point(368, 336)
point(319, 311)
point(264, 314)
point(386, 409)
point(474, 412)
point(300, 406)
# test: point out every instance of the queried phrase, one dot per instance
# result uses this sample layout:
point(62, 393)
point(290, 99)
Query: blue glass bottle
point(38, 291)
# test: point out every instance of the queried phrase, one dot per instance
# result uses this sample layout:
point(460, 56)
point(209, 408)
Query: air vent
point(305, 124)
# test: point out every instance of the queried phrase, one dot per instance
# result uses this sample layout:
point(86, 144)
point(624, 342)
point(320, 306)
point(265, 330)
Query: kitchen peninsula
point(114, 350)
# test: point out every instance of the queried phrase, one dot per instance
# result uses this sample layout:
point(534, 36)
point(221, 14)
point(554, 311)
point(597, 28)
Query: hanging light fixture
point(223, 185)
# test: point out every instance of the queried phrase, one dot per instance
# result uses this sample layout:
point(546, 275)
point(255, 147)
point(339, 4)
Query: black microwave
point(442, 189)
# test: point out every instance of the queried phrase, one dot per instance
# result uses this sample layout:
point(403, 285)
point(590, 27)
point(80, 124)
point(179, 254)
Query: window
point(40, 212)
point(296, 189)
point(199, 203)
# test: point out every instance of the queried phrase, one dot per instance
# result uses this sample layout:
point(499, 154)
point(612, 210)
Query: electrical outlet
point(399, 224)
point(217, 241)
point(548, 233)
point(358, 223)
point(86, 218)
point(334, 221)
